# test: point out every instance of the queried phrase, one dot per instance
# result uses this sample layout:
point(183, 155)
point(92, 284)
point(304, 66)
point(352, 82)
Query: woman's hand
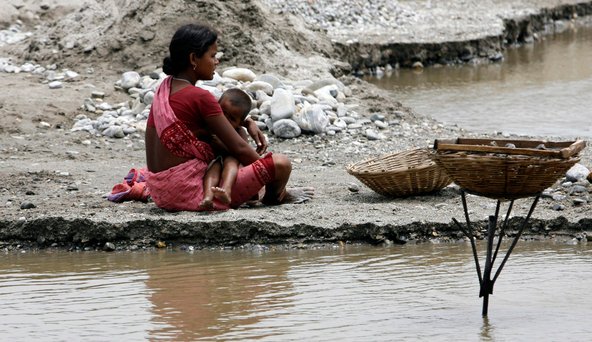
point(256, 134)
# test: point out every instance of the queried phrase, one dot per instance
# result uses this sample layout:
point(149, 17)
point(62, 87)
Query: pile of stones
point(284, 108)
point(13, 34)
point(574, 188)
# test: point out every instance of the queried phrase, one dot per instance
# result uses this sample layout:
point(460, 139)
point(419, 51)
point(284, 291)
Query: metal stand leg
point(485, 281)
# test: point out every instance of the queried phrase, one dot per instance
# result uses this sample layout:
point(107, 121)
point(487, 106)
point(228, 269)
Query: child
point(221, 174)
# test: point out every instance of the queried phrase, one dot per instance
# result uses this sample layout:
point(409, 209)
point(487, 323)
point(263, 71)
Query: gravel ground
point(65, 175)
point(426, 21)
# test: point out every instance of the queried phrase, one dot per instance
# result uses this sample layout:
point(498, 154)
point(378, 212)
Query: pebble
point(27, 205)
point(55, 85)
point(353, 187)
point(109, 247)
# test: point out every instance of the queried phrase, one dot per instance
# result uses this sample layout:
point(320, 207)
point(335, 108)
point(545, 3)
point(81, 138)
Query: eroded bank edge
point(85, 234)
point(364, 58)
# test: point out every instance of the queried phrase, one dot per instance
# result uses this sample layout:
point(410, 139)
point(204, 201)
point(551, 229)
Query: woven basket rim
point(354, 168)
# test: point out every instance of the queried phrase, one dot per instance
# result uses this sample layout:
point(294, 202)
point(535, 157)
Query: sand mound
point(135, 34)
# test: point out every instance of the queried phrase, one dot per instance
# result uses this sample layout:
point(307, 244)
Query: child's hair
point(238, 99)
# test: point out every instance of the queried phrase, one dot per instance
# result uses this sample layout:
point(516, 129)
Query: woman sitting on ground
point(181, 118)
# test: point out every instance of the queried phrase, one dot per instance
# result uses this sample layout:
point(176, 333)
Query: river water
point(355, 293)
point(352, 293)
point(543, 89)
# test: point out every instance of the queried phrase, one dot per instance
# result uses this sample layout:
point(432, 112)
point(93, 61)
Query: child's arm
point(256, 134)
point(243, 133)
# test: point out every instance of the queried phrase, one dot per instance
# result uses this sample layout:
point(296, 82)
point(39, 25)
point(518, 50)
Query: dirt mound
point(135, 35)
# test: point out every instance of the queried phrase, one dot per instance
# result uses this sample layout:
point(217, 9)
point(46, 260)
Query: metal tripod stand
point(485, 281)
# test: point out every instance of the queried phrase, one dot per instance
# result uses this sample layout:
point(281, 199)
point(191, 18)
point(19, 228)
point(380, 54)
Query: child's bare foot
point(221, 195)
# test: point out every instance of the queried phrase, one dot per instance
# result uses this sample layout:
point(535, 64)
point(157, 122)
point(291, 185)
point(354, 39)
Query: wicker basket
point(401, 174)
point(505, 169)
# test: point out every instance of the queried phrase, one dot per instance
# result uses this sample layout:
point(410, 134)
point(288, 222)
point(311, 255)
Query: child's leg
point(224, 192)
point(211, 180)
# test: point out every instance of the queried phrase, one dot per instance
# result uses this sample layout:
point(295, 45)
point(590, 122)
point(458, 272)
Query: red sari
point(181, 187)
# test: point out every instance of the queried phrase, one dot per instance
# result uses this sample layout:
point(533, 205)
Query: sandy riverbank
point(66, 174)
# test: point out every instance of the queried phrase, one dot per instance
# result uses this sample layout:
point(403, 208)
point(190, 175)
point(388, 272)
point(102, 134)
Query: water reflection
point(542, 89)
point(57, 296)
point(411, 292)
point(203, 295)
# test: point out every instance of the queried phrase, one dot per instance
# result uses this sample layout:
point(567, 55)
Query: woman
point(182, 120)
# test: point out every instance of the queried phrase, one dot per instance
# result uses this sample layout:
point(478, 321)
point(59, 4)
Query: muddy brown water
point(353, 293)
point(539, 89)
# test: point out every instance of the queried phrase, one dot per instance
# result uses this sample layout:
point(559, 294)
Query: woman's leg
point(273, 172)
point(275, 191)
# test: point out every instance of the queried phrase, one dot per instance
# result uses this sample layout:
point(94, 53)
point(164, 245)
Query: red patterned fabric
point(181, 187)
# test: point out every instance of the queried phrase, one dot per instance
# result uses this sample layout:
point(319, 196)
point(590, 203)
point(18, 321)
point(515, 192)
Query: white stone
point(326, 94)
point(114, 132)
point(213, 90)
point(286, 128)
point(261, 97)
point(71, 74)
point(55, 85)
point(217, 79)
point(282, 104)
point(313, 119)
point(260, 86)
point(240, 74)
point(104, 106)
point(148, 97)
point(130, 79)
point(271, 79)
point(577, 172)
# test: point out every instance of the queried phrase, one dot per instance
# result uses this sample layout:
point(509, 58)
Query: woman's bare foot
point(293, 195)
point(221, 195)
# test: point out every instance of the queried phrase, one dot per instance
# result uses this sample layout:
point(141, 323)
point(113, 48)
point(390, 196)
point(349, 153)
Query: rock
point(213, 90)
point(71, 74)
point(327, 94)
point(104, 106)
point(44, 125)
point(109, 247)
point(240, 74)
point(316, 119)
point(579, 201)
point(270, 79)
point(578, 189)
point(353, 187)
point(27, 205)
point(114, 132)
point(373, 135)
point(55, 85)
point(260, 86)
point(130, 79)
point(148, 97)
point(286, 128)
point(97, 94)
point(577, 172)
point(282, 105)
point(261, 96)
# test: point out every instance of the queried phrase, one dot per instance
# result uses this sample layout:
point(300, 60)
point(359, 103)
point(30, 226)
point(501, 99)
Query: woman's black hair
point(196, 38)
